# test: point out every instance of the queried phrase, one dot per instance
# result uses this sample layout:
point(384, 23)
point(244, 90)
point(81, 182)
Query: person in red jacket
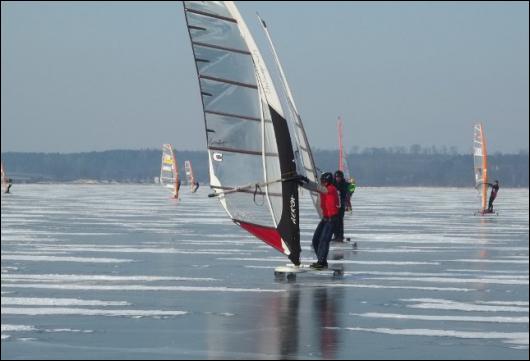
point(330, 204)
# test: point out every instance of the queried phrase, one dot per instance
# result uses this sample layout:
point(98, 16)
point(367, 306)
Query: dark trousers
point(339, 227)
point(322, 237)
point(490, 204)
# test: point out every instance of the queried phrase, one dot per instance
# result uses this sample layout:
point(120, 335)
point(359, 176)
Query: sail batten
point(228, 81)
point(243, 151)
point(211, 15)
point(218, 47)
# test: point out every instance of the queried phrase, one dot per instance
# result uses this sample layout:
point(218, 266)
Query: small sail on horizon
point(252, 163)
point(5, 180)
point(190, 177)
point(480, 161)
point(343, 158)
point(169, 175)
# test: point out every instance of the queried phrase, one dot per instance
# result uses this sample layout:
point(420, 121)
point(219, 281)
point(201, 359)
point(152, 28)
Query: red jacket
point(329, 202)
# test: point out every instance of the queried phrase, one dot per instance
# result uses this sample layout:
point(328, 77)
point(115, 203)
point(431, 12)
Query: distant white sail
point(190, 177)
point(480, 160)
point(5, 180)
point(343, 158)
point(169, 175)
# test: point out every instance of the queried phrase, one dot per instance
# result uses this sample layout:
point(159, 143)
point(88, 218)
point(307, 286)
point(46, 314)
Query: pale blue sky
point(98, 76)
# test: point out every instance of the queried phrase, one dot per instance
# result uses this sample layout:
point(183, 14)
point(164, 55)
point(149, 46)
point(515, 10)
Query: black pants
point(339, 225)
point(490, 204)
point(322, 237)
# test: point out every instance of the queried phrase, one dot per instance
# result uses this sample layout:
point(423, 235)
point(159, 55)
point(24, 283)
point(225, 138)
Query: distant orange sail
point(480, 160)
point(343, 161)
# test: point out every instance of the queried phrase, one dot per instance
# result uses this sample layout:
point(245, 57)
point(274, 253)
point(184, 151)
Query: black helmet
point(339, 173)
point(327, 177)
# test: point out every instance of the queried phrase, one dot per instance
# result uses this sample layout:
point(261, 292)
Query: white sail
point(190, 176)
point(5, 180)
point(189, 172)
point(251, 159)
point(169, 176)
point(480, 162)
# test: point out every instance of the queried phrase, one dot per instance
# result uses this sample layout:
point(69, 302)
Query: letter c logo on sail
point(218, 157)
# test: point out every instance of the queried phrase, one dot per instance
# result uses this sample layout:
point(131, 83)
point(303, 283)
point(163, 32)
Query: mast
point(303, 148)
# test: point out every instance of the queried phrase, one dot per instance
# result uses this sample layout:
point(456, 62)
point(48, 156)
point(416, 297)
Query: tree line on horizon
point(390, 166)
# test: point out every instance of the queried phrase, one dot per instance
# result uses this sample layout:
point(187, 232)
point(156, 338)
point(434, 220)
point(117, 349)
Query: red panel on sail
point(266, 234)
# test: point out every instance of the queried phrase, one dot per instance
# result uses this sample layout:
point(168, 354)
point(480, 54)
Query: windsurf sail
point(5, 180)
point(252, 165)
point(480, 160)
point(190, 177)
point(169, 175)
point(343, 159)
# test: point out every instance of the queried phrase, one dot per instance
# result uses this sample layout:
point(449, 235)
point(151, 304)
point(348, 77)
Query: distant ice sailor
point(195, 186)
point(351, 190)
point(343, 188)
point(176, 194)
point(330, 204)
point(493, 195)
point(9, 184)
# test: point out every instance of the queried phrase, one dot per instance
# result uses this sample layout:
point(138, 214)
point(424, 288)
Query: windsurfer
point(493, 194)
point(176, 194)
point(9, 184)
point(195, 186)
point(330, 204)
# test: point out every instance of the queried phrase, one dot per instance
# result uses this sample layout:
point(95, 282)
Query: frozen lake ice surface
point(124, 271)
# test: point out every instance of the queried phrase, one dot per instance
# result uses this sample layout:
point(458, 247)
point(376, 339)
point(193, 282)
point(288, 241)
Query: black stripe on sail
point(218, 47)
point(211, 15)
point(193, 27)
point(289, 225)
